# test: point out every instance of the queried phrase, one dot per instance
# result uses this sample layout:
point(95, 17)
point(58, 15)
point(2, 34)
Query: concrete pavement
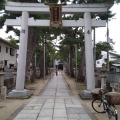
point(55, 103)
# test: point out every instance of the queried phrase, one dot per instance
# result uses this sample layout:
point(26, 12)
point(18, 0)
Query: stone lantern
point(103, 77)
point(96, 75)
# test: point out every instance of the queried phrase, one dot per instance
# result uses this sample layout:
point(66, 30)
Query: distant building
point(112, 57)
point(115, 67)
point(8, 53)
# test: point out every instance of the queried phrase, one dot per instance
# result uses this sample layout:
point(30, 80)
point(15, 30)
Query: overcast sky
point(114, 30)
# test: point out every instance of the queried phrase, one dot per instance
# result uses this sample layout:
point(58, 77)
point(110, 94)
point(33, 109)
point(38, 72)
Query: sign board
point(55, 15)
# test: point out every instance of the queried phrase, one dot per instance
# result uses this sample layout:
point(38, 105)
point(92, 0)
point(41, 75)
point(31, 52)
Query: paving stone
point(75, 101)
point(33, 105)
point(74, 119)
point(32, 102)
point(46, 112)
point(28, 107)
point(48, 105)
point(73, 116)
point(50, 100)
point(29, 111)
point(34, 99)
point(58, 100)
point(68, 101)
point(41, 101)
point(26, 116)
point(60, 119)
point(72, 105)
point(44, 118)
point(60, 113)
point(59, 105)
point(24, 119)
point(75, 110)
point(84, 116)
point(37, 108)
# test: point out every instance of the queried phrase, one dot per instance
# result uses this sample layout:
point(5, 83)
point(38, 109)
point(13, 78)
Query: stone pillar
point(89, 52)
point(1, 77)
point(15, 74)
point(3, 92)
point(103, 77)
point(96, 75)
point(20, 91)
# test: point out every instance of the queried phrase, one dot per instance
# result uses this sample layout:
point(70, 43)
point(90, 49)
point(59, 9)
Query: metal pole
point(107, 47)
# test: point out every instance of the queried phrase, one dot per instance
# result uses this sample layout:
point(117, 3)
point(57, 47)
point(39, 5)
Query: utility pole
point(107, 46)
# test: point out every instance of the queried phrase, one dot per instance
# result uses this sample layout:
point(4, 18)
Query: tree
point(102, 46)
point(13, 41)
point(2, 3)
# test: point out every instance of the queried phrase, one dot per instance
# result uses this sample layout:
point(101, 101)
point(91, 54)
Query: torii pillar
point(89, 54)
point(19, 91)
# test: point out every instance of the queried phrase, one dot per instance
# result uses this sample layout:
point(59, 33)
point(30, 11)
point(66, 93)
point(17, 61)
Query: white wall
point(7, 56)
point(101, 61)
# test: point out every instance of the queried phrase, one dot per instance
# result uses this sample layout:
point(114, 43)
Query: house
point(8, 53)
point(115, 67)
point(112, 57)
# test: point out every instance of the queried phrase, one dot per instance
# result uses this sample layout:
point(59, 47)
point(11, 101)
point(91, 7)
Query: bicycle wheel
point(99, 106)
point(112, 113)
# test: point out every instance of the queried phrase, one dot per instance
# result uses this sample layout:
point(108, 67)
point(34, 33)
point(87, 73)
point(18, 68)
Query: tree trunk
point(32, 78)
point(71, 60)
point(81, 77)
point(30, 49)
point(41, 65)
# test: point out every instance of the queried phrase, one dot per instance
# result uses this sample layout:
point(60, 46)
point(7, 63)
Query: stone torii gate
point(24, 21)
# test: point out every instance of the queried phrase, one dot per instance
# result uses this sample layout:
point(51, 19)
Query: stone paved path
point(55, 103)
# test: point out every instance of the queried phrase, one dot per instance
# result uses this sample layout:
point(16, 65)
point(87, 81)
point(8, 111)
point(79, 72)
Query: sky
point(114, 30)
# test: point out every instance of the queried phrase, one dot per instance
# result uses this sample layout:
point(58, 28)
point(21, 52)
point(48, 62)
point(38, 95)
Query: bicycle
point(105, 103)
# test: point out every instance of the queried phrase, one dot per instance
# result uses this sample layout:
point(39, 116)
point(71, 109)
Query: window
point(6, 49)
point(0, 48)
point(12, 51)
point(5, 63)
point(98, 62)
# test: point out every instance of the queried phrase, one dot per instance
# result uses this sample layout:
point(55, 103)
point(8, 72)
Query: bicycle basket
point(95, 94)
point(113, 98)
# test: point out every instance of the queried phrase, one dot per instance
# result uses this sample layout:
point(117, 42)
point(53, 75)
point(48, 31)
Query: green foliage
point(112, 62)
point(107, 15)
point(102, 46)
point(12, 41)
point(25, 1)
point(2, 3)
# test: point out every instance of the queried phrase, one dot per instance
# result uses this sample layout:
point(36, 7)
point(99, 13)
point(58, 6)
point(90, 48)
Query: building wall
point(99, 62)
point(6, 56)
